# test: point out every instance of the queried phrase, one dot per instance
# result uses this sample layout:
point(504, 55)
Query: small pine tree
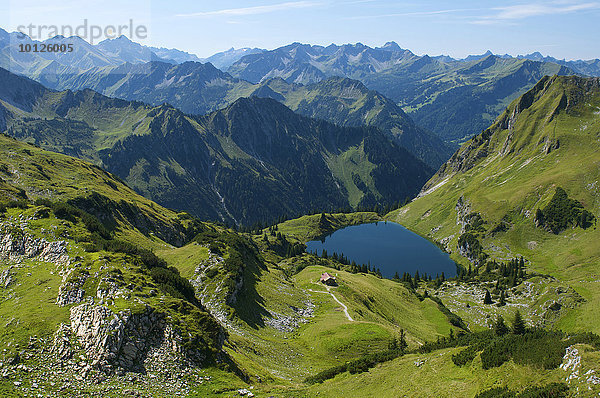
point(502, 301)
point(403, 343)
point(488, 297)
point(518, 326)
point(500, 327)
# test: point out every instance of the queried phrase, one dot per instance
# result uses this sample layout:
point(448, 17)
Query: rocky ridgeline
point(211, 292)
point(112, 342)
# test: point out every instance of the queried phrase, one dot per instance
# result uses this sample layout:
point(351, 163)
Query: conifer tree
point(488, 298)
point(500, 327)
point(518, 326)
point(502, 301)
point(403, 343)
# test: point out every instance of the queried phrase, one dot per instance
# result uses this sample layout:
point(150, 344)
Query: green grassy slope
point(75, 238)
point(545, 139)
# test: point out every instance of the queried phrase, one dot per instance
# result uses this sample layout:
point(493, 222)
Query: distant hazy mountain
point(225, 59)
point(174, 55)
point(584, 67)
point(193, 87)
point(44, 66)
point(253, 161)
point(303, 63)
point(453, 98)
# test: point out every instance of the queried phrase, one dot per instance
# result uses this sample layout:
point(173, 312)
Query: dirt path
point(336, 299)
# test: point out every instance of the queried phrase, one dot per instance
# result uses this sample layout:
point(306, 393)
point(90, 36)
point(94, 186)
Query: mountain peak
point(123, 38)
point(391, 46)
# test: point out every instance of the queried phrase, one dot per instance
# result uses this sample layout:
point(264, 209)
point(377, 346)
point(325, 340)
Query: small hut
point(328, 279)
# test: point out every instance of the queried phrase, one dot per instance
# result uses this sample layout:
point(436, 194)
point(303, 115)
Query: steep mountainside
point(348, 102)
point(105, 293)
point(95, 302)
point(79, 277)
point(453, 98)
point(253, 161)
point(197, 88)
point(528, 185)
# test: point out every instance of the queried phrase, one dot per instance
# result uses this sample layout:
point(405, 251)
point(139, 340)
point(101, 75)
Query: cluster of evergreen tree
point(507, 274)
point(353, 267)
point(552, 390)
point(524, 345)
point(281, 245)
point(413, 281)
point(563, 212)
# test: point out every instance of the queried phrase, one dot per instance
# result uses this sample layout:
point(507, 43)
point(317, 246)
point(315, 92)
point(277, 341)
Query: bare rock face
point(71, 290)
point(16, 245)
point(463, 208)
point(126, 340)
point(61, 345)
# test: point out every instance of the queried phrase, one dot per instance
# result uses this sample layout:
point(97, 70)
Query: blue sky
point(563, 28)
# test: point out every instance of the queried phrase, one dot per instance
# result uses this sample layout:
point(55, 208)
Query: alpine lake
point(387, 246)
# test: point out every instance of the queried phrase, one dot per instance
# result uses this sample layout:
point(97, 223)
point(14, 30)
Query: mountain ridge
point(173, 157)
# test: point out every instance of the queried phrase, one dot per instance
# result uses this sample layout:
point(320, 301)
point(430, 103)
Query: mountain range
point(155, 213)
point(453, 98)
point(46, 66)
point(253, 161)
point(434, 91)
point(104, 291)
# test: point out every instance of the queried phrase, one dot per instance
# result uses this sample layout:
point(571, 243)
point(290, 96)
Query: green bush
point(465, 356)
point(553, 390)
point(563, 212)
point(169, 280)
point(359, 365)
point(497, 392)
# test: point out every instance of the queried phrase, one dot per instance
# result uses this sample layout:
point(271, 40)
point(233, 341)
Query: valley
point(304, 221)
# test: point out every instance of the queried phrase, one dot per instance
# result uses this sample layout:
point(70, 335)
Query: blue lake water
point(389, 247)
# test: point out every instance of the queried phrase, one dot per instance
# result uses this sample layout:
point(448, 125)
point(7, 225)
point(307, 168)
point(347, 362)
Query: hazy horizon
point(556, 28)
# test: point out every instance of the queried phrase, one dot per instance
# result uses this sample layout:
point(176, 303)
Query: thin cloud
point(523, 11)
point(254, 10)
point(410, 14)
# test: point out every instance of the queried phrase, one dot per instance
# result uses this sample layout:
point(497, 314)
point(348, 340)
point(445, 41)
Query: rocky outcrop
point(16, 245)
point(125, 339)
point(463, 208)
point(71, 290)
point(6, 277)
